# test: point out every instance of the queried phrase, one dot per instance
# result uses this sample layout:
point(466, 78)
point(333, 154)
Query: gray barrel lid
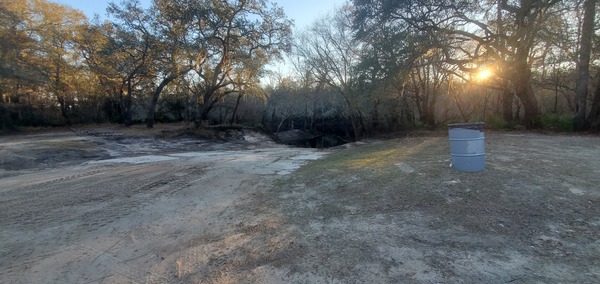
point(471, 125)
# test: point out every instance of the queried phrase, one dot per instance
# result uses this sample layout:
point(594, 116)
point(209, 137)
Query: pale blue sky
point(303, 12)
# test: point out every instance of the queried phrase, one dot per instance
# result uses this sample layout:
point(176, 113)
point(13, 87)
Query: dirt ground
point(101, 205)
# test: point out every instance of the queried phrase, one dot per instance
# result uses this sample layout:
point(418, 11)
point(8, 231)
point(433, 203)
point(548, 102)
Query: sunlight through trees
point(371, 66)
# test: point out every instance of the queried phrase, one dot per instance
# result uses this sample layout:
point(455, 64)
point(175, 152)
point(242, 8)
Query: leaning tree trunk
point(152, 110)
point(583, 65)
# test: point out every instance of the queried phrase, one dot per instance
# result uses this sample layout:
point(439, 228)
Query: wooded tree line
point(395, 64)
point(371, 66)
point(60, 68)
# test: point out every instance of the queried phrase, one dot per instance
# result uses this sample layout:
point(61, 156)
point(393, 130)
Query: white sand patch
point(577, 191)
point(251, 138)
point(136, 160)
point(504, 158)
point(206, 154)
point(309, 156)
point(279, 168)
point(405, 167)
point(268, 161)
point(573, 189)
point(452, 182)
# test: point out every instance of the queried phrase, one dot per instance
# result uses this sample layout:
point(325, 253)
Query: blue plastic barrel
point(467, 146)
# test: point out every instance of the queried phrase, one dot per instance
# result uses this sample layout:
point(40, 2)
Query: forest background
point(370, 67)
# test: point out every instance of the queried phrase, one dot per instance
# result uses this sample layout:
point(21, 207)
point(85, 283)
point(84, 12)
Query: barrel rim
point(469, 125)
point(466, 139)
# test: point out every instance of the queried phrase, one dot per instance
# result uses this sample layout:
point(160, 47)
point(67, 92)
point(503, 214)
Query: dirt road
point(100, 207)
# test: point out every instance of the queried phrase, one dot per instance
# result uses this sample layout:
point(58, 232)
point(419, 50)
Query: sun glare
point(484, 74)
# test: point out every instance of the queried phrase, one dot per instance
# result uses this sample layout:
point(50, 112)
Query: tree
point(594, 116)
point(427, 79)
point(226, 36)
point(245, 82)
point(583, 65)
point(298, 102)
point(15, 42)
point(332, 54)
point(170, 59)
point(58, 61)
point(39, 53)
point(465, 37)
point(119, 53)
point(15, 46)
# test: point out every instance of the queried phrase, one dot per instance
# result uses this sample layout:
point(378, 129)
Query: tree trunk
point(352, 114)
point(150, 118)
point(354, 127)
point(64, 109)
point(531, 109)
point(431, 109)
point(204, 108)
point(555, 90)
point(507, 96)
point(363, 129)
point(152, 110)
point(583, 66)
point(127, 105)
point(59, 93)
point(237, 104)
point(524, 91)
point(463, 115)
point(199, 106)
point(375, 115)
point(594, 116)
point(507, 102)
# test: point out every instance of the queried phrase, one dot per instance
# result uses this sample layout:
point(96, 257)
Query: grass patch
point(376, 158)
point(381, 160)
point(376, 178)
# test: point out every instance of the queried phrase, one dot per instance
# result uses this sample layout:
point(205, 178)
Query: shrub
point(557, 122)
point(496, 122)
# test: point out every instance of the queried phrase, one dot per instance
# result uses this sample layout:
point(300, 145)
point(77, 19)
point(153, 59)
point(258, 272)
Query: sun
point(484, 74)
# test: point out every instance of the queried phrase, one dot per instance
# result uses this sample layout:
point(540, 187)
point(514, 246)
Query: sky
point(303, 12)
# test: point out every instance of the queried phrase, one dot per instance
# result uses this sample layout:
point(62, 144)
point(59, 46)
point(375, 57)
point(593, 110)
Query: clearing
point(101, 205)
